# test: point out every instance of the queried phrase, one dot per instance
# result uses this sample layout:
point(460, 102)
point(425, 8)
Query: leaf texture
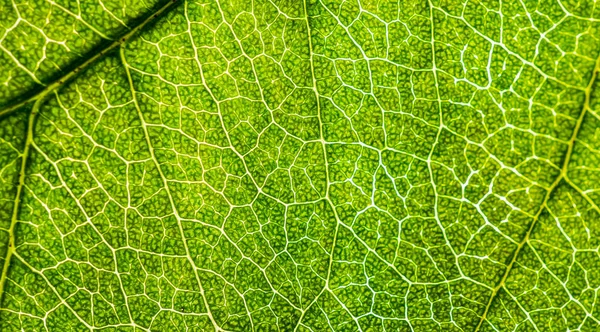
point(288, 165)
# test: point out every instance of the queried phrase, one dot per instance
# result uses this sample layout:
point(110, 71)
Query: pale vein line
point(166, 186)
point(324, 147)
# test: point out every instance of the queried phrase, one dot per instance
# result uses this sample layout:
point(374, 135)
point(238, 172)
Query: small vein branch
point(561, 176)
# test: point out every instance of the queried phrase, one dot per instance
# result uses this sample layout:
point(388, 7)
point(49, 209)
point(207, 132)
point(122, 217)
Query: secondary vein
point(38, 98)
point(16, 206)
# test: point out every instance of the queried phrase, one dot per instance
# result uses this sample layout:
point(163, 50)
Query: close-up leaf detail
point(300, 165)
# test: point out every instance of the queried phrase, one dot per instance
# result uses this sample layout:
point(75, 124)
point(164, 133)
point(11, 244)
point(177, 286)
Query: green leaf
point(315, 165)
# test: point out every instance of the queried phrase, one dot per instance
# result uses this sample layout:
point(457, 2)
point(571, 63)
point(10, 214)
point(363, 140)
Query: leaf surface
point(300, 165)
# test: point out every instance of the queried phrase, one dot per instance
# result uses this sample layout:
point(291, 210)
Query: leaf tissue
point(300, 165)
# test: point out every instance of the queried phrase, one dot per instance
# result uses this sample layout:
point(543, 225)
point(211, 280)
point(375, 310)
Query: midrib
point(99, 54)
point(561, 176)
